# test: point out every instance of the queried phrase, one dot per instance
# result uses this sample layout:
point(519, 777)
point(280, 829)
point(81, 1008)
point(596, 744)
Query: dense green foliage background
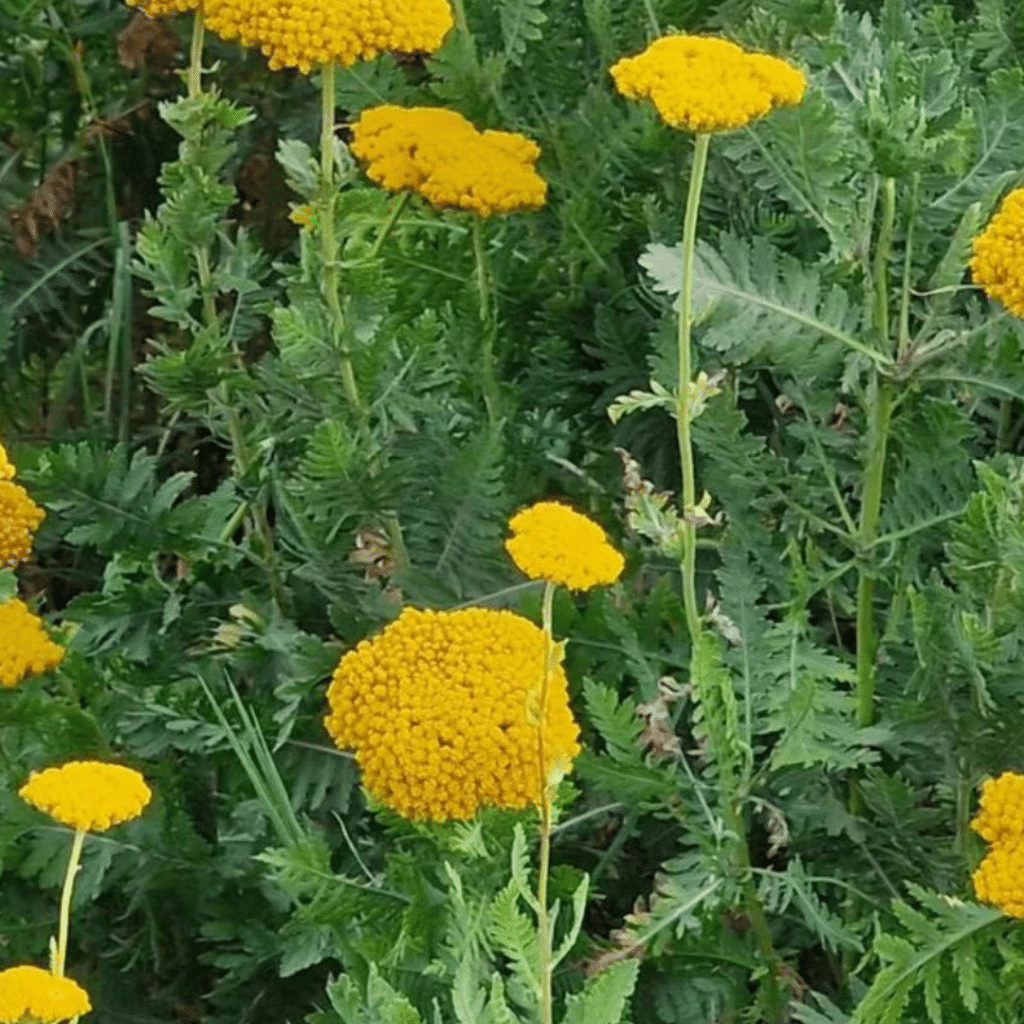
point(219, 515)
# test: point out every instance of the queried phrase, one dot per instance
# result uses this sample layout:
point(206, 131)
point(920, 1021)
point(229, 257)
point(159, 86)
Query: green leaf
point(521, 22)
point(603, 999)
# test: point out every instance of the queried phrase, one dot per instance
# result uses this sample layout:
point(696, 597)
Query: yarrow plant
point(87, 796)
point(997, 263)
point(30, 995)
point(310, 33)
point(20, 517)
point(25, 648)
point(999, 878)
point(442, 710)
point(438, 154)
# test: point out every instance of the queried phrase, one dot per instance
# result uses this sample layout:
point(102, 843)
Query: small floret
point(997, 263)
point(704, 84)
point(438, 154)
point(25, 649)
point(31, 994)
point(442, 712)
point(89, 796)
point(550, 541)
point(164, 8)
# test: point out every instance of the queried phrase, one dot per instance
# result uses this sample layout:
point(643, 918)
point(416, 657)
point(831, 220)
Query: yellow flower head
point(32, 994)
point(164, 8)
point(552, 542)
point(441, 710)
point(307, 33)
point(1000, 814)
point(440, 155)
point(88, 795)
point(708, 85)
point(998, 260)
point(25, 649)
point(999, 878)
point(20, 517)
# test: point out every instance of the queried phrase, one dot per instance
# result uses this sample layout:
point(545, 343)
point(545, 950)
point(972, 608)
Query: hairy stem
point(700, 158)
point(329, 243)
point(195, 64)
point(880, 412)
point(883, 250)
point(488, 323)
point(546, 815)
point(60, 957)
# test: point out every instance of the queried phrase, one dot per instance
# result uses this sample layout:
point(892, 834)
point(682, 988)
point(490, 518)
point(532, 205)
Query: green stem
point(202, 258)
point(329, 243)
point(880, 402)
point(488, 323)
point(883, 249)
point(401, 201)
point(60, 957)
point(195, 64)
point(546, 815)
point(700, 157)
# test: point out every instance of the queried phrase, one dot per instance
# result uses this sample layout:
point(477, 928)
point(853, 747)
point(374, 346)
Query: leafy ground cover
point(272, 401)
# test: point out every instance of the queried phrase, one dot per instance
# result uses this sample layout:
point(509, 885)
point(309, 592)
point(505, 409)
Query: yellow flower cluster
point(440, 155)
point(307, 33)
point(441, 710)
point(31, 994)
point(20, 517)
point(165, 8)
point(999, 879)
point(708, 85)
point(552, 542)
point(25, 649)
point(88, 795)
point(997, 263)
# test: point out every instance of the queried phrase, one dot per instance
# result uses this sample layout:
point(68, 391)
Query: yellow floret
point(441, 710)
point(708, 85)
point(164, 8)
point(31, 994)
point(25, 649)
point(88, 795)
point(999, 878)
point(308, 33)
point(552, 542)
point(998, 261)
point(20, 517)
point(441, 156)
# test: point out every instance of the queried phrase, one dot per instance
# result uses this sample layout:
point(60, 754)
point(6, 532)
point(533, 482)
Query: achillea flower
point(25, 649)
point(164, 8)
point(440, 155)
point(441, 710)
point(708, 85)
point(20, 517)
point(88, 795)
point(1000, 814)
point(998, 261)
point(307, 33)
point(31, 994)
point(999, 878)
point(552, 542)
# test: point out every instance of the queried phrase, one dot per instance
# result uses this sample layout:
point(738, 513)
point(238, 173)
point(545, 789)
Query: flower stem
point(195, 64)
point(880, 401)
point(883, 250)
point(546, 814)
point(488, 323)
point(700, 158)
point(65, 903)
point(329, 243)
